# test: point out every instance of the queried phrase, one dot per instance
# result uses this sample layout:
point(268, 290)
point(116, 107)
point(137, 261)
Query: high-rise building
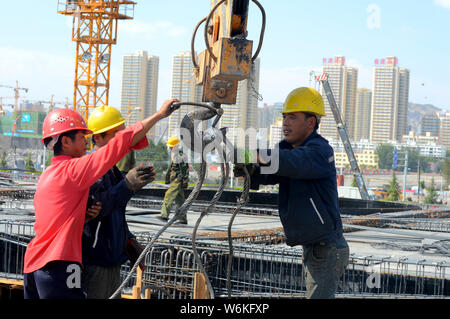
point(444, 130)
point(275, 132)
point(343, 82)
point(184, 88)
point(244, 114)
point(430, 124)
point(362, 114)
point(389, 101)
point(139, 86)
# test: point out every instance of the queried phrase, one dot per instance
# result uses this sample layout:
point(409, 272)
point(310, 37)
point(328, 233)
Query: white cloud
point(151, 30)
point(442, 3)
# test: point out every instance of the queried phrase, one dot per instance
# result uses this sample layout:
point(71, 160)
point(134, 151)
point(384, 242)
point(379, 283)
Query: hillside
point(415, 113)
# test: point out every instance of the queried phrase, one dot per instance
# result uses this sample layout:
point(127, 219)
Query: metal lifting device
point(226, 61)
point(344, 136)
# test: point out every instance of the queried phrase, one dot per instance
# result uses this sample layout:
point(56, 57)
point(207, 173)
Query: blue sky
point(36, 47)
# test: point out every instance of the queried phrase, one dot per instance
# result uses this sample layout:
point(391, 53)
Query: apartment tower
point(343, 82)
point(244, 114)
point(139, 87)
point(389, 101)
point(184, 88)
point(362, 114)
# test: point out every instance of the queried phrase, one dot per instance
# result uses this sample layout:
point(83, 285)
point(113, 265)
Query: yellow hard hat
point(173, 141)
point(104, 118)
point(304, 100)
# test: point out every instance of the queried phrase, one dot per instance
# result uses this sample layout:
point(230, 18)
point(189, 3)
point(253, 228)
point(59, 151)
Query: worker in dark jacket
point(308, 197)
point(178, 177)
point(107, 241)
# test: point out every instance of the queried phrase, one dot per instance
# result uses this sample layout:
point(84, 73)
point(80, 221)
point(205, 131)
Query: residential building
point(243, 116)
point(430, 123)
point(444, 129)
point(389, 101)
point(184, 88)
point(343, 82)
point(139, 87)
point(276, 133)
point(362, 114)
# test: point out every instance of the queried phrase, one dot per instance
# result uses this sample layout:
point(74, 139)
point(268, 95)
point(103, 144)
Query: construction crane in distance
point(52, 103)
point(16, 95)
point(2, 111)
point(94, 31)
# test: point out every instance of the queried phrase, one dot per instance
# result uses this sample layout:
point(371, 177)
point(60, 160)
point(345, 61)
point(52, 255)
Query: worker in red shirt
point(52, 265)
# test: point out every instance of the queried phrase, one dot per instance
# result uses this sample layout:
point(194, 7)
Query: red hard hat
point(62, 120)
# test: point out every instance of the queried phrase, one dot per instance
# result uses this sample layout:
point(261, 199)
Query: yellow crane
point(16, 95)
point(94, 31)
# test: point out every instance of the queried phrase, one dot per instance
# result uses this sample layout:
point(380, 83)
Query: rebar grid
point(277, 272)
point(264, 271)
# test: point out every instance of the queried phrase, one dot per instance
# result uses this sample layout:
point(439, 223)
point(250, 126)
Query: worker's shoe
point(181, 221)
point(163, 218)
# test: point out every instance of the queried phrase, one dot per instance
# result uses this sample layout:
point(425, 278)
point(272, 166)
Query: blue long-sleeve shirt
point(106, 236)
point(308, 199)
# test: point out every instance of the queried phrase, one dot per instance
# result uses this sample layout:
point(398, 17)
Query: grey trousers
point(100, 282)
point(324, 265)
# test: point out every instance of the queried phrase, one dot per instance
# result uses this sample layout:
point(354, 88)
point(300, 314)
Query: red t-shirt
point(61, 198)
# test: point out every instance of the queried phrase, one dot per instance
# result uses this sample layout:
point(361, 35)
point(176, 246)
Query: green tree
point(157, 155)
point(393, 190)
point(3, 160)
point(446, 171)
point(29, 165)
point(354, 182)
point(385, 154)
point(432, 195)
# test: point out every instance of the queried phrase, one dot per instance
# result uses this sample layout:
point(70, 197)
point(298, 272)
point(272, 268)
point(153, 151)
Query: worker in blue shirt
point(107, 241)
point(308, 197)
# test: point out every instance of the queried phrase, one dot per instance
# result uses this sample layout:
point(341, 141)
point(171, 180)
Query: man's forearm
point(147, 124)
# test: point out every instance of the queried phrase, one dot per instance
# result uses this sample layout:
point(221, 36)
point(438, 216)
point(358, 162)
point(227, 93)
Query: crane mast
point(94, 31)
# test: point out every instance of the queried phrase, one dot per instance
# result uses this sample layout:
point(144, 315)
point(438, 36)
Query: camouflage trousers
point(174, 195)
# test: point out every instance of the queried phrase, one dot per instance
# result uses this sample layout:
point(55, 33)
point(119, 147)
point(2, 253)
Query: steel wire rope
point(243, 200)
point(218, 194)
point(179, 211)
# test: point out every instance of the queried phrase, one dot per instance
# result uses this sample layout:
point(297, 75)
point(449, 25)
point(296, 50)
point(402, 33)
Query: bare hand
point(93, 211)
point(166, 109)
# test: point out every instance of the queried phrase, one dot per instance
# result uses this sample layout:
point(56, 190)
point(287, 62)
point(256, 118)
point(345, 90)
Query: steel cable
point(181, 210)
point(243, 200)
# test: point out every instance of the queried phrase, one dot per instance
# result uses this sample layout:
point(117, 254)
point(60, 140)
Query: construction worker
point(52, 264)
point(127, 162)
point(308, 197)
point(178, 177)
point(107, 240)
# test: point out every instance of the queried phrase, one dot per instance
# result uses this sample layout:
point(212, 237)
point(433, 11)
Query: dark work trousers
point(56, 280)
point(324, 265)
point(100, 282)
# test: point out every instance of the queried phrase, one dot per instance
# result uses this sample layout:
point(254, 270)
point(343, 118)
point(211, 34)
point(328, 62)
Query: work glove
point(238, 169)
point(139, 176)
point(243, 156)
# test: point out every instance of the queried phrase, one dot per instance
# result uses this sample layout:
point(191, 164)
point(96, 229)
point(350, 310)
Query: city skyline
point(40, 45)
